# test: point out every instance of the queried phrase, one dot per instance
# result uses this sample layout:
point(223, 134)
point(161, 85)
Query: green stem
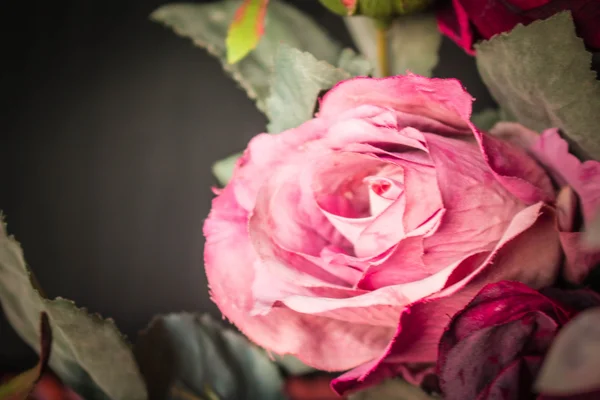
point(382, 50)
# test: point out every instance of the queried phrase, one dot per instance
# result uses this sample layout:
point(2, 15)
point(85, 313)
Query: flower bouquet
point(380, 240)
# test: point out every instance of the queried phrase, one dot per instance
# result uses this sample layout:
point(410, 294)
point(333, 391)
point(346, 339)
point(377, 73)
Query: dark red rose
point(466, 21)
point(494, 347)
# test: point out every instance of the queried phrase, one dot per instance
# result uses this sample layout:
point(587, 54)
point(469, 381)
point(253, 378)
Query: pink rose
point(350, 240)
point(578, 202)
point(494, 348)
point(466, 21)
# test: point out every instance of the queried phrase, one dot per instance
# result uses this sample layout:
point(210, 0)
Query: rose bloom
point(466, 21)
point(350, 240)
point(494, 348)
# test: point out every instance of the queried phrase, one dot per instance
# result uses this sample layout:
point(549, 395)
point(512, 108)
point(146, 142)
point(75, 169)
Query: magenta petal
point(468, 366)
point(514, 382)
point(492, 16)
point(453, 22)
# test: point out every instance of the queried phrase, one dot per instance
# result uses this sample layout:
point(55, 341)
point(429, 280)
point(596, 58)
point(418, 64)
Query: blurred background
point(109, 125)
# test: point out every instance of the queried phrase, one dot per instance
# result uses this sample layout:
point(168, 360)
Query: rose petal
point(469, 193)
point(470, 365)
point(403, 266)
point(492, 17)
point(513, 381)
point(264, 153)
point(517, 171)
point(443, 100)
point(283, 330)
point(529, 240)
point(553, 151)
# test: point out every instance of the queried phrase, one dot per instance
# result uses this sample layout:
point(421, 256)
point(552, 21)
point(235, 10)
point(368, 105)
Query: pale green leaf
point(20, 386)
point(223, 169)
point(354, 64)
point(282, 104)
point(299, 78)
point(573, 361)
point(187, 353)
point(413, 43)
point(486, 119)
point(88, 352)
point(540, 75)
point(292, 365)
point(393, 389)
point(207, 25)
point(246, 29)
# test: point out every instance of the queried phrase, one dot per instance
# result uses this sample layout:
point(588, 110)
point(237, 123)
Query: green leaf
point(393, 389)
point(19, 387)
point(486, 119)
point(380, 9)
point(223, 169)
point(194, 354)
point(349, 61)
point(292, 365)
point(354, 64)
point(88, 353)
point(413, 43)
point(571, 365)
point(207, 25)
point(540, 75)
point(246, 29)
point(299, 78)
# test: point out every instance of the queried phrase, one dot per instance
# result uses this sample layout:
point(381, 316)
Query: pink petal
point(403, 266)
point(379, 307)
point(530, 239)
point(517, 171)
point(320, 342)
point(340, 192)
point(350, 131)
point(478, 207)
point(280, 236)
point(443, 100)
point(423, 198)
point(264, 153)
point(553, 151)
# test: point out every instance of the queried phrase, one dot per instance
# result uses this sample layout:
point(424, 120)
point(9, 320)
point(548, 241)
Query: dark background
point(109, 125)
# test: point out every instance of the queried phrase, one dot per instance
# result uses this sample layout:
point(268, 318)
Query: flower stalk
point(383, 49)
